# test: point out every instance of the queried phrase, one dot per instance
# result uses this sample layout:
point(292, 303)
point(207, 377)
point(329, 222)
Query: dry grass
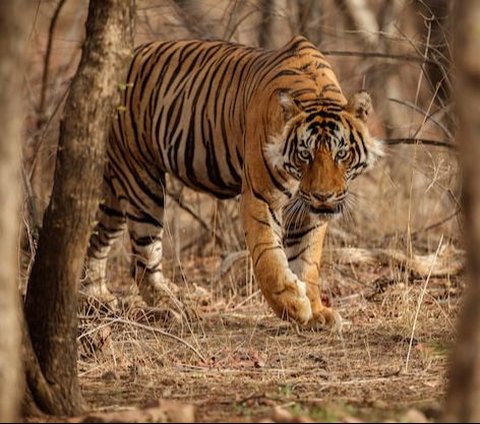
point(235, 361)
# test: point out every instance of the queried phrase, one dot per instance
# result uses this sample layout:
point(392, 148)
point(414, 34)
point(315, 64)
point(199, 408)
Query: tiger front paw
point(292, 303)
point(326, 317)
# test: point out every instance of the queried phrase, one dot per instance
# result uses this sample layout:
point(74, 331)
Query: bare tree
point(51, 300)
point(463, 397)
point(14, 20)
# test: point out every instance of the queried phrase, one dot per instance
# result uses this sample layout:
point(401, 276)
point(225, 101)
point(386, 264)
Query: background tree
point(463, 398)
point(51, 300)
point(14, 23)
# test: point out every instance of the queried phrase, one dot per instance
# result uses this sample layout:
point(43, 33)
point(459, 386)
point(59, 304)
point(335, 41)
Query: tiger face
point(321, 150)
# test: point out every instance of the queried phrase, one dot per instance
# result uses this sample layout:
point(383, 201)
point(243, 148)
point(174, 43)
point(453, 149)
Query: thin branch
point(363, 19)
point(425, 141)
point(35, 19)
point(438, 223)
point(41, 138)
point(230, 33)
point(189, 21)
point(175, 197)
point(33, 218)
point(161, 332)
point(405, 57)
point(428, 116)
point(48, 53)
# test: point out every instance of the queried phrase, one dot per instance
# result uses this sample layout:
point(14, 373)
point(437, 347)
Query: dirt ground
point(234, 361)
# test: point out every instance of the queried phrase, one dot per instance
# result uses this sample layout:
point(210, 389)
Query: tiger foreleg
point(304, 251)
point(283, 290)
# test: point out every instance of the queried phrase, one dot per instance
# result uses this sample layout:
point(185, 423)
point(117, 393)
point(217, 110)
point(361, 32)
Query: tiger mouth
point(325, 210)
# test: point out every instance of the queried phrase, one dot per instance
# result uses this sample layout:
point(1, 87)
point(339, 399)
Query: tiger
point(270, 126)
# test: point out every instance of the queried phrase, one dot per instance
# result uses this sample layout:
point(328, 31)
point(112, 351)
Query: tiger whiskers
point(289, 212)
point(347, 207)
point(294, 214)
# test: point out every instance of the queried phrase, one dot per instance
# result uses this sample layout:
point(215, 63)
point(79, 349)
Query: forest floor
point(232, 360)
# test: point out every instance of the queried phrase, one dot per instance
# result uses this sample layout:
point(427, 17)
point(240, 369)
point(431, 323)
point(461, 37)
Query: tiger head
point(321, 149)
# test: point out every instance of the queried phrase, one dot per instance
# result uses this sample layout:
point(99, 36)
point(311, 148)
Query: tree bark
point(14, 24)
point(463, 396)
point(51, 300)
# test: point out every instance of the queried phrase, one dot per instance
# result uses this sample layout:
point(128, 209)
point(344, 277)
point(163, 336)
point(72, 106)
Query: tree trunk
point(463, 396)
point(310, 14)
point(274, 30)
point(437, 12)
point(51, 301)
point(14, 25)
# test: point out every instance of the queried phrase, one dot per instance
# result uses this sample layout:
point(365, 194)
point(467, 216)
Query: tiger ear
point(360, 105)
point(290, 106)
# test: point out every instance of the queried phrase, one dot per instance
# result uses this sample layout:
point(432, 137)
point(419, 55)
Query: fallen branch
point(448, 261)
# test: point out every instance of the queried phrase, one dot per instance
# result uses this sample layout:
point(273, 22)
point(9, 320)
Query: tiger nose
point(322, 196)
point(326, 197)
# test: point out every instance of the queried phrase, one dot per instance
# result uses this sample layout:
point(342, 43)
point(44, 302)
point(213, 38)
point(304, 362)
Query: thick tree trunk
point(463, 397)
point(14, 24)
point(51, 302)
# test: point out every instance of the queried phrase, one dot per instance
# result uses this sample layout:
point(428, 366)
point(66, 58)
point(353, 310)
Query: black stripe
point(145, 219)
point(294, 257)
point(273, 179)
point(294, 235)
point(139, 263)
point(110, 211)
point(124, 181)
point(268, 249)
point(146, 240)
point(185, 52)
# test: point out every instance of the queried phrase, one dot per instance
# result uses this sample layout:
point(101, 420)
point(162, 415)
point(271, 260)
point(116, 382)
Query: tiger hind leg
point(145, 227)
point(109, 228)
